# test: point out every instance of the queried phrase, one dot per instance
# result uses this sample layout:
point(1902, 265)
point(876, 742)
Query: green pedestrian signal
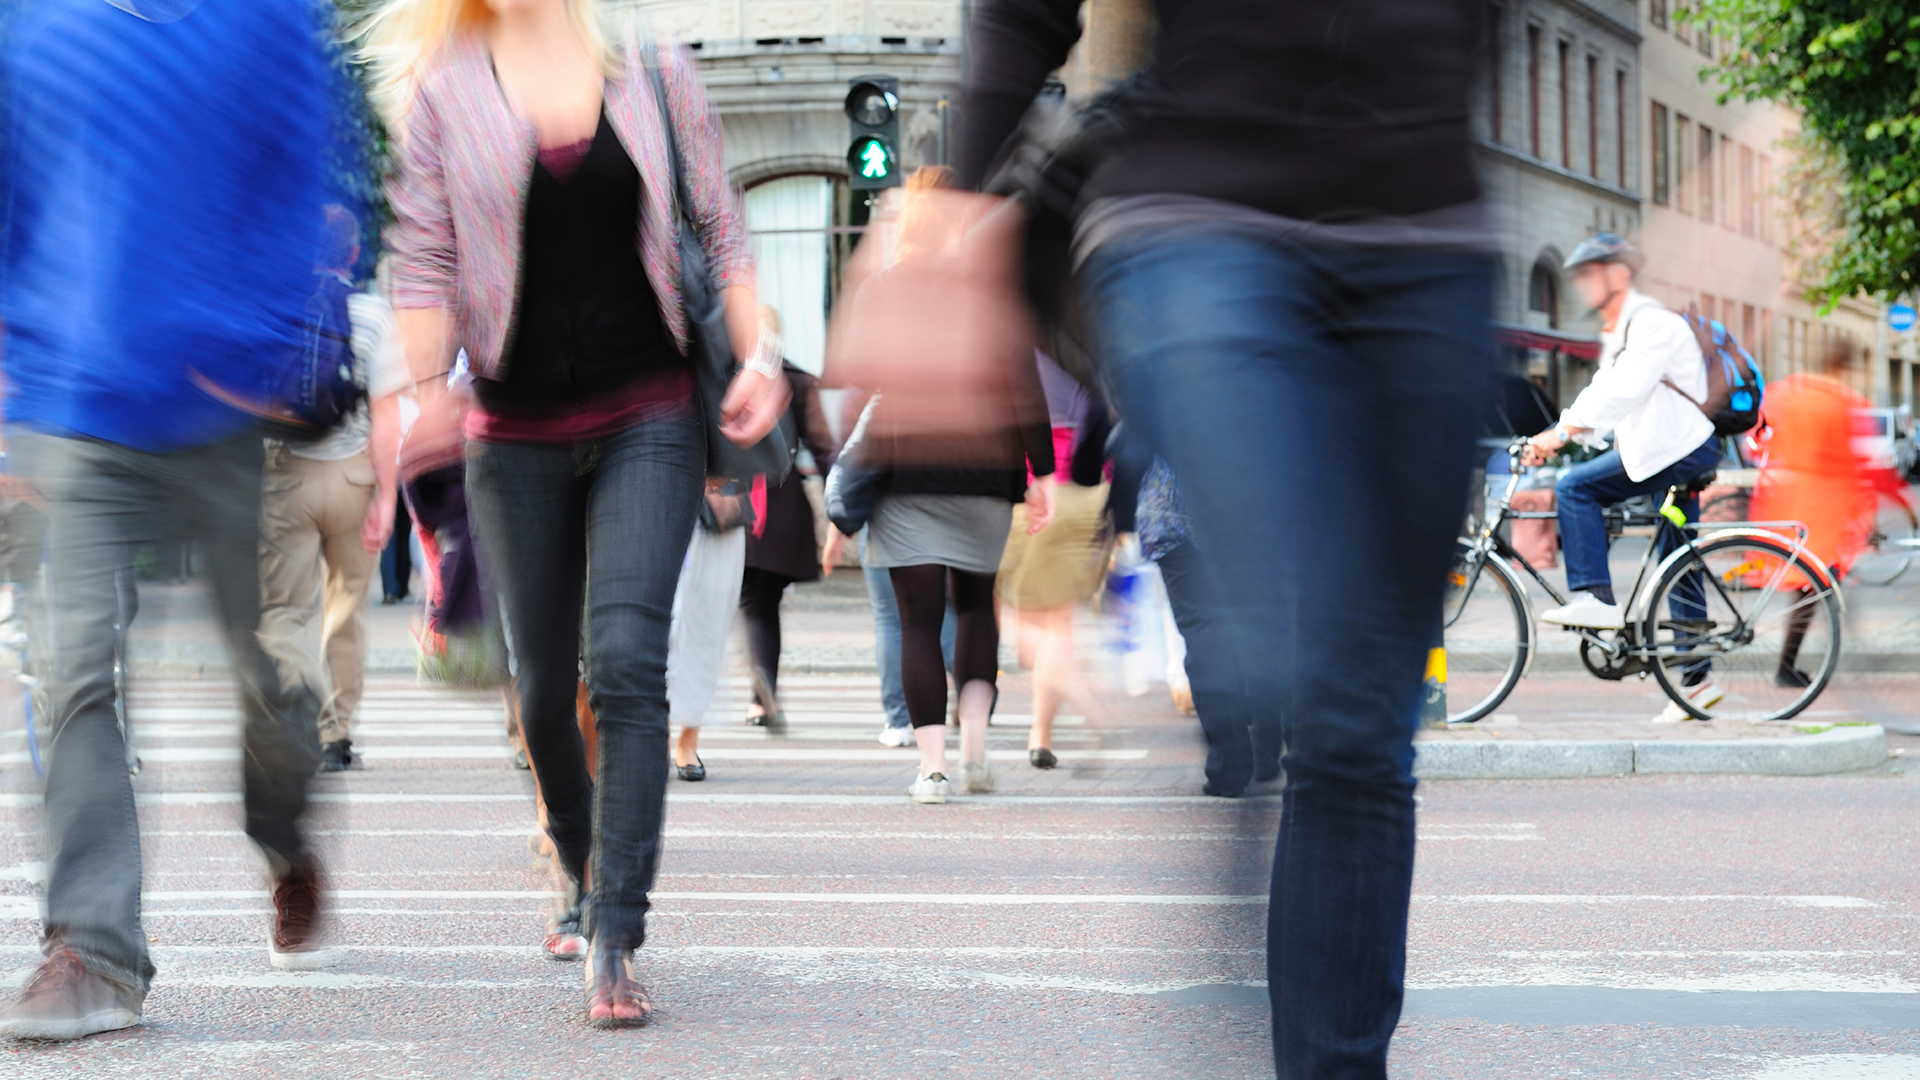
point(873, 116)
point(871, 160)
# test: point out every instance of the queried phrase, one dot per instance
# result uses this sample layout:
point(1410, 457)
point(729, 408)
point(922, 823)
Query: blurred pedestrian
point(396, 559)
point(783, 547)
point(1811, 474)
point(533, 158)
point(329, 506)
point(704, 603)
point(166, 186)
point(961, 441)
point(1284, 257)
point(1045, 575)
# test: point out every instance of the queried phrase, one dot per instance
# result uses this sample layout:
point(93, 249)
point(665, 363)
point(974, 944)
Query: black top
point(1317, 110)
point(588, 320)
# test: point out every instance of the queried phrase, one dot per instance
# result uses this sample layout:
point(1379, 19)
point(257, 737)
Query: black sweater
point(1324, 110)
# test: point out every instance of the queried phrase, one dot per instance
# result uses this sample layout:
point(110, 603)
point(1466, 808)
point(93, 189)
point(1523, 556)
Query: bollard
point(1433, 714)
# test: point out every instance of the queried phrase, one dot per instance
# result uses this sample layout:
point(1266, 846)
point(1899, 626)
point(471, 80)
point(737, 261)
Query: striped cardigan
point(459, 195)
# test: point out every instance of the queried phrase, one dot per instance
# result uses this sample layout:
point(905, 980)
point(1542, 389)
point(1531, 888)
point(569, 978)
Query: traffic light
point(873, 109)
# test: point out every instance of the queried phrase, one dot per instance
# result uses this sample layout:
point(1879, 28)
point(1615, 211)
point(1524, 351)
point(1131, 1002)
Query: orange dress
point(1811, 473)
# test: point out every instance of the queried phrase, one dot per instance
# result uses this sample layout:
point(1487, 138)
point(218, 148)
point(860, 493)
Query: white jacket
point(1653, 426)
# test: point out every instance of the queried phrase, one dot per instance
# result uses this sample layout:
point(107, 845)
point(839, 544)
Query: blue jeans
point(1584, 490)
point(1319, 407)
point(886, 640)
point(1238, 743)
point(601, 525)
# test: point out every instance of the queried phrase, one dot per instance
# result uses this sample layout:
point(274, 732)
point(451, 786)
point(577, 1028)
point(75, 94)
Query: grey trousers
point(106, 500)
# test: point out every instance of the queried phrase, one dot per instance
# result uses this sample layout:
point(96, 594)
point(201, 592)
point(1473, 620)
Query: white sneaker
point(896, 736)
point(1704, 696)
point(1588, 611)
point(929, 789)
point(976, 777)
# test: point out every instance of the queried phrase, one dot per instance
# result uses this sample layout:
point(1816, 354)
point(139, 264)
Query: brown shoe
point(296, 922)
point(66, 1001)
point(614, 999)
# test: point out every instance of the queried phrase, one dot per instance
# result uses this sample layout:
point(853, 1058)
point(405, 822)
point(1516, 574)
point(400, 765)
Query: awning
point(1533, 337)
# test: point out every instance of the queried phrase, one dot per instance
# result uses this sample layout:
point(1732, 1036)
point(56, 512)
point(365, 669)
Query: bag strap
point(1668, 380)
point(680, 197)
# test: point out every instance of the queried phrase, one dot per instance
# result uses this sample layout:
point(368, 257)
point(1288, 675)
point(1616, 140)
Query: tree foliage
point(1851, 68)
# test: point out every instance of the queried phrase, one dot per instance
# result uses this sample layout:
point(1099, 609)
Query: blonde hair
point(401, 39)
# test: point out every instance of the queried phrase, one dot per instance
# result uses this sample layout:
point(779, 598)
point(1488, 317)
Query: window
point(1681, 28)
point(1593, 116)
point(1763, 348)
point(1657, 13)
point(1620, 126)
point(1660, 155)
point(1566, 109)
point(1682, 164)
point(789, 218)
point(1749, 327)
point(1766, 198)
point(1747, 193)
point(1496, 59)
point(1533, 90)
point(1706, 306)
point(1704, 170)
point(1543, 293)
point(1723, 204)
point(1703, 40)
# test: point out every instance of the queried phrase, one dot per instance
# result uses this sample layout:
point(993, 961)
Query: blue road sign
point(1902, 316)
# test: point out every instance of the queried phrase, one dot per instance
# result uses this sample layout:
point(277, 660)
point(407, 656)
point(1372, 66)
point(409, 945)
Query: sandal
point(614, 999)
point(564, 940)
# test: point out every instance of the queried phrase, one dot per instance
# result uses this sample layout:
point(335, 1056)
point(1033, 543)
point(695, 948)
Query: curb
point(1836, 750)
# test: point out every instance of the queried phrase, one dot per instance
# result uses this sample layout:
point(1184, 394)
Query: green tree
point(1851, 68)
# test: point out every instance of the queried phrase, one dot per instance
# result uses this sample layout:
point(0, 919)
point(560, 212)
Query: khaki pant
point(310, 514)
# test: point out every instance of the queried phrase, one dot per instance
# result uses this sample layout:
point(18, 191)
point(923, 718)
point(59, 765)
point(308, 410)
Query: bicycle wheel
point(1885, 556)
point(1487, 631)
point(1770, 646)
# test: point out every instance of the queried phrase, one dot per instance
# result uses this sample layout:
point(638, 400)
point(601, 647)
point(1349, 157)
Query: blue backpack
point(317, 390)
point(1735, 386)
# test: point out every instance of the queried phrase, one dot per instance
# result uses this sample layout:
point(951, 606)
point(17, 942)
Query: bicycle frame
point(1622, 644)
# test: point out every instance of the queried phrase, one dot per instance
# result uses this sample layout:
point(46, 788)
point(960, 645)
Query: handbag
point(708, 344)
point(728, 508)
point(857, 479)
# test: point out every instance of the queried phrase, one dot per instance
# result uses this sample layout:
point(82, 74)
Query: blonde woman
point(534, 228)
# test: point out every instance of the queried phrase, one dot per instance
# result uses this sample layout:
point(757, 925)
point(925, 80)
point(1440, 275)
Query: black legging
point(921, 593)
point(760, 593)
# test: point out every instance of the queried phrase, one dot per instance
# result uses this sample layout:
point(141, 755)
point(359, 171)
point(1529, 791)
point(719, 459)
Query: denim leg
point(642, 502)
point(1579, 496)
point(1219, 696)
point(1258, 369)
point(528, 507)
point(886, 639)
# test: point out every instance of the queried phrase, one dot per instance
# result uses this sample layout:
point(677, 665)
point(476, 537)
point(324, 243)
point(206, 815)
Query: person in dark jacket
point(1284, 259)
point(784, 546)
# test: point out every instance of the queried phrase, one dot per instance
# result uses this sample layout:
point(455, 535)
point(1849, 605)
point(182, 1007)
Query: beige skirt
point(1061, 564)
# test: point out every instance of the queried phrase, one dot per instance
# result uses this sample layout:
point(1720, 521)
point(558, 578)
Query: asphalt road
point(1101, 920)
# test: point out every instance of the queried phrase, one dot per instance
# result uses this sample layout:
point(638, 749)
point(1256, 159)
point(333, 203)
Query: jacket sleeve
point(811, 419)
point(1013, 45)
point(420, 238)
point(714, 211)
point(1658, 345)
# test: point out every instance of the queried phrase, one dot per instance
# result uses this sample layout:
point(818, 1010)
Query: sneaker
point(1704, 696)
point(976, 777)
point(66, 1001)
point(1587, 611)
point(338, 756)
point(295, 945)
point(930, 789)
point(896, 736)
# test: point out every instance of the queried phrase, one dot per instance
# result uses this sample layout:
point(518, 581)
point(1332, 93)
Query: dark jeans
point(396, 560)
point(602, 524)
point(1584, 490)
point(760, 595)
point(1238, 741)
point(1319, 407)
point(106, 500)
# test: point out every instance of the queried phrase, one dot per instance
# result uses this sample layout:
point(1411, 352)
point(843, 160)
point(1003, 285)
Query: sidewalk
point(1558, 723)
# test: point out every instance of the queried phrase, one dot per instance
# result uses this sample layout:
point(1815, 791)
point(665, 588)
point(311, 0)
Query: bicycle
point(1743, 605)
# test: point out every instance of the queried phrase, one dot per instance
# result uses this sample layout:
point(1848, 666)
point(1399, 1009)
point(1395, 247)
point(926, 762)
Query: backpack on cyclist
point(1734, 383)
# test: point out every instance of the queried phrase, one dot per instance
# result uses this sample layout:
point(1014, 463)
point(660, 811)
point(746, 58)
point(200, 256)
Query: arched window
point(1543, 293)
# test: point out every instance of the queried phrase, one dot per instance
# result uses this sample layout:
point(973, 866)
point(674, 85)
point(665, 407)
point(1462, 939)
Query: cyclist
point(1651, 374)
